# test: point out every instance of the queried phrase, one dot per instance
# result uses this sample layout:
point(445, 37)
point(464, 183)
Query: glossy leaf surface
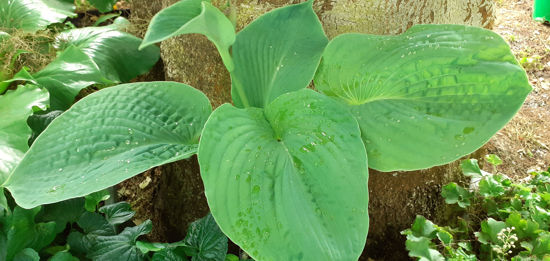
point(275, 54)
point(426, 97)
point(121, 246)
point(15, 108)
point(31, 15)
point(109, 136)
point(115, 53)
point(69, 73)
point(206, 239)
point(290, 182)
point(193, 17)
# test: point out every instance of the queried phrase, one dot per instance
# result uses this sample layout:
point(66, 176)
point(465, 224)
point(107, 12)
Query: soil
point(523, 143)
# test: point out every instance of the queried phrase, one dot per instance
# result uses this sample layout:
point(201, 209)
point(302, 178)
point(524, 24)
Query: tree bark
point(176, 195)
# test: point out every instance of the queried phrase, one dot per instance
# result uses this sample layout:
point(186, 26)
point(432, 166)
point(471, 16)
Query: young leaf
point(489, 230)
point(115, 53)
point(493, 159)
point(423, 228)
point(93, 199)
point(206, 238)
point(426, 97)
point(109, 136)
point(193, 17)
point(470, 168)
point(454, 193)
point(15, 106)
point(275, 54)
point(489, 187)
point(68, 211)
point(289, 182)
point(121, 246)
point(30, 15)
point(103, 5)
point(117, 213)
point(38, 122)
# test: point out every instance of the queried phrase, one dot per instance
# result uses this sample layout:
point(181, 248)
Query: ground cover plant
point(285, 168)
point(496, 219)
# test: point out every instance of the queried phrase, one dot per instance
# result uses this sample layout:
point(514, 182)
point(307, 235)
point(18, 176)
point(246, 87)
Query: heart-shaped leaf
point(426, 97)
point(117, 213)
point(206, 240)
point(121, 246)
point(109, 136)
point(290, 182)
point(275, 54)
point(15, 108)
point(193, 17)
point(31, 15)
point(115, 53)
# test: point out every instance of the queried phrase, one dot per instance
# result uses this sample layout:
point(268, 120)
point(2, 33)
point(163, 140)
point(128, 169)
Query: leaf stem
point(236, 83)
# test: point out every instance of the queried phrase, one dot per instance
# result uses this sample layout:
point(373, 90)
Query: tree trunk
point(175, 195)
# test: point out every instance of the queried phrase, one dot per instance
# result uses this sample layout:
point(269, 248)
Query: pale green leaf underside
point(276, 54)
point(115, 53)
point(107, 137)
point(289, 183)
point(30, 15)
point(193, 17)
point(426, 97)
point(15, 107)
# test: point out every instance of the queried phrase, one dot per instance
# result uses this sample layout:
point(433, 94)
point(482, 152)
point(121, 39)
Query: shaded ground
point(524, 143)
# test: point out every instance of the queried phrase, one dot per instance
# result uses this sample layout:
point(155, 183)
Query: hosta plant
point(285, 167)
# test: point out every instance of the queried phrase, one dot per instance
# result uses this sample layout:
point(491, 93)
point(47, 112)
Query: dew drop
point(323, 133)
point(127, 142)
point(130, 131)
point(60, 169)
point(77, 149)
point(127, 161)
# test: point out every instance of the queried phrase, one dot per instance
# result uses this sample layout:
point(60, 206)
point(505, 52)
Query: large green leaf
point(276, 54)
point(115, 53)
point(15, 108)
point(193, 17)
point(426, 97)
point(64, 77)
point(31, 15)
point(107, 137)
point(290, 182)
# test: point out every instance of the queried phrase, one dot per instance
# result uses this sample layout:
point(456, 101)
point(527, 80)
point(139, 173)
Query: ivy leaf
point(450, 86)
point(31, 15)
point(288, 182)
point(93, 199)
point(490, 187)
point(38, 122)
point(193, 16)
point(276, 54)
point(106, 142)
point(121, 246)
point(117, 213)
point(489, 230)
point(15, 106)
point(423, 228)
point(454, 193)
point(470, 168)
point(206, 239)
point(444, 236)
point(68, 211)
